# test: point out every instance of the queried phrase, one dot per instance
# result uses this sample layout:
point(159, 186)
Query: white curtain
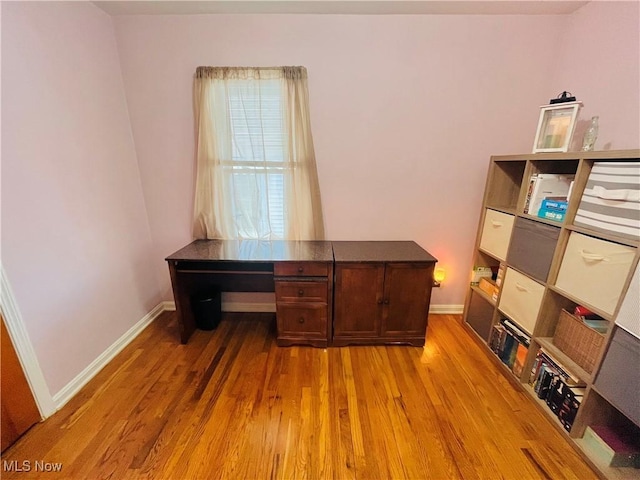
point(256, 168)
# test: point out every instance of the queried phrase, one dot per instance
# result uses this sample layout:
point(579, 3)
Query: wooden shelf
point(506, 190)
point(483, 294)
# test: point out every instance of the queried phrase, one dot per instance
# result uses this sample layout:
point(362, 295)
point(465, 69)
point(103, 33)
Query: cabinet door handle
point(592, 257)
point(379, 301)
point(301, 320)
point(521, 287)
point(496, 223)
point(386, 302)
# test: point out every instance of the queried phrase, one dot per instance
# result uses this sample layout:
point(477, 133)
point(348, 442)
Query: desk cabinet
point(303, 296)
point(378, 301)
point(382, 289)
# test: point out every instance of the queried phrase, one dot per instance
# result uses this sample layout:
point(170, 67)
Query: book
point(570, 405)
point(553, 209)
point(569, 378)
point(613, 446)
point(512, 327)
point(544, 381)
point(600, 326)
point(495, 341)
point(556, 394)
point(532, 183)
point(521, 356)
point(508, 351)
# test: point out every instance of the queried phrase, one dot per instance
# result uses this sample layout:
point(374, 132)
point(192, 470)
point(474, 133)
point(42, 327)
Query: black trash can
point(207, 309)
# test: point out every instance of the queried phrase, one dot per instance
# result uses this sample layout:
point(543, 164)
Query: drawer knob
point(300, 269)
point(301, 292)
point(301, 320)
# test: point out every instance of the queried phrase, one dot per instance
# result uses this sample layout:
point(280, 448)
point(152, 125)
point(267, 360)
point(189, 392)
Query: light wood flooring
point(232, 405)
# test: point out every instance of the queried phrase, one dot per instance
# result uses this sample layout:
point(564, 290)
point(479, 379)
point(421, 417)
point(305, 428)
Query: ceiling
point(360, 7)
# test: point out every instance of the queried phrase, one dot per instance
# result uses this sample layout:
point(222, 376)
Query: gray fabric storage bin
point(619, 377)
point(610, 202)
point(480, 315)
point(532, 246)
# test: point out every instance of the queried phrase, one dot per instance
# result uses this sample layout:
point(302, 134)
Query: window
point(256, 171)
point(256, 168)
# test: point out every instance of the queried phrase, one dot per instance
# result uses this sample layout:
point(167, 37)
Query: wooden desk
point(382, 289)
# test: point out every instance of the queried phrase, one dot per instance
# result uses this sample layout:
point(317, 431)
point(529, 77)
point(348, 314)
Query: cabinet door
point(407, 290)
point(358, 299)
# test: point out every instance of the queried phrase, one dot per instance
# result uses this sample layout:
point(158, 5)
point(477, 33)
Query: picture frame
point(555, 127)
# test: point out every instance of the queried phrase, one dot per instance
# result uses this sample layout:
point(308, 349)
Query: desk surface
point(380, 251)
point(308, 251)
point(254, 251)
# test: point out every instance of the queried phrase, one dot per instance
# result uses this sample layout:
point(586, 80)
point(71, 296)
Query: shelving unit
point(560, 285)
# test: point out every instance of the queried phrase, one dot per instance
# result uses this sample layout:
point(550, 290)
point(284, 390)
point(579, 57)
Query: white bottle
point(590, 135)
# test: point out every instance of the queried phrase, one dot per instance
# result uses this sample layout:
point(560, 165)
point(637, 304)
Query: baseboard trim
point(24, 348)
point(73, 387)
point(446, 309)
point(270, 307)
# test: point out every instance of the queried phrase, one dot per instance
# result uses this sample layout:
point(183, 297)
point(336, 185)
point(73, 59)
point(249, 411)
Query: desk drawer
point(301, 269)
point(496, 233)
point(521, 299)
point(595, 271)
point(297, 318)
point(301, 291)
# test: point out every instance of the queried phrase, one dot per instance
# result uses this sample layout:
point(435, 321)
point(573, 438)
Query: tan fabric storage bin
point(595, 271)
point(521, 299)
point(496, 233)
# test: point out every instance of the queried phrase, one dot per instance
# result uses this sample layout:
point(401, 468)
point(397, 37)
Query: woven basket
point(578, 341)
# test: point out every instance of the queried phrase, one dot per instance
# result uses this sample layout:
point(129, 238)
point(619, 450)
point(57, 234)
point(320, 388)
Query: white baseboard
point(270, 307)
point(67, 393)
point(446, 309)
point(24, 348)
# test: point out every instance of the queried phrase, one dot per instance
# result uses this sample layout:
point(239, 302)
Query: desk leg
point(186, 321)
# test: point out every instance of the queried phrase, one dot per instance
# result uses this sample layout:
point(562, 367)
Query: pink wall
point(406, 111)
point(76, 243)
point(599, 62)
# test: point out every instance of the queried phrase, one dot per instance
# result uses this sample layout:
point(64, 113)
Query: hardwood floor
point(231, 404)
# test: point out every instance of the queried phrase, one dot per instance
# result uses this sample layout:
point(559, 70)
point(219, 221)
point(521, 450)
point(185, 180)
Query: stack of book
point(480, 272)
point(555, 188)
point(561, 390)
point(510, 344)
